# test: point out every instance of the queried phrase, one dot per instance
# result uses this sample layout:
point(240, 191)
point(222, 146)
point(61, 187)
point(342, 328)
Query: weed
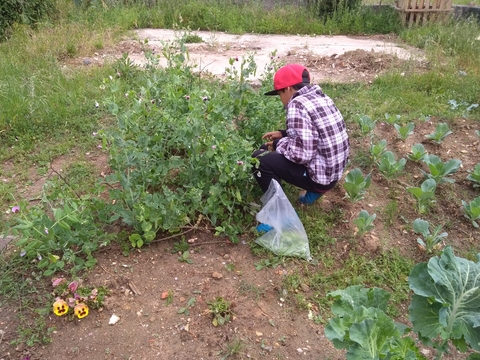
point(185, 257)
point(272, 262)
point(31, 332)
point(233, 348)
point(256, 291)
point(221, 310)
point(391, 213)
point(180, 246)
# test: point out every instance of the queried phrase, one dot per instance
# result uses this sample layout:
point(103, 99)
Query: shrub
point(23, 11)
point(325, 8)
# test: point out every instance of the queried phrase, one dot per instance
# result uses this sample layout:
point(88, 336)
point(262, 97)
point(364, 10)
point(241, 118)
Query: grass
point(48, 108)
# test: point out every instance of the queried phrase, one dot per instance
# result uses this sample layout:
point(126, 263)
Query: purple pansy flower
point(73, 286)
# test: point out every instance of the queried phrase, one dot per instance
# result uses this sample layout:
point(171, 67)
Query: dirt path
point(340, 59)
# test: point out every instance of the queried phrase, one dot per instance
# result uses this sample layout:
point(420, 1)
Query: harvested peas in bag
point(288, 236)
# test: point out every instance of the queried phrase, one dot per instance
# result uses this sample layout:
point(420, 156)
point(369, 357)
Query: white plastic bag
point(288, 236)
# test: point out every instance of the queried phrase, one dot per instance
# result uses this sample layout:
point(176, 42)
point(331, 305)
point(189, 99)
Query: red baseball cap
point(289, 75)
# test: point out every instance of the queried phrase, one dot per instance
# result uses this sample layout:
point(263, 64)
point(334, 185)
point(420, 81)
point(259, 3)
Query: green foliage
point(185, 257)
point(65, 241)
point(430, 239)
point(392, 119)
point(439, 170)
point(25, 12)
point(389, 167)
point(362, 328)
point(377, 150)
point(325, 8)
point(271, 262)
point(364, 222)
point(404, 131)
point(446, 302)
point(182, 147)
point(417, 153)
point(441, 132)
point(221, 310)
point(425, 194)
point(444, 308)
point(474, 176)
point(472, 210)
point(365, 123)
point(355, 184)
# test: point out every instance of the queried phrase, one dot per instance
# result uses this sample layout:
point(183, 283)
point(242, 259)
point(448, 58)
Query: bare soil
point(266, 321)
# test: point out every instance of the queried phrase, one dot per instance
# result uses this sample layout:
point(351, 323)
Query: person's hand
point(270, 145)
point(272, 135)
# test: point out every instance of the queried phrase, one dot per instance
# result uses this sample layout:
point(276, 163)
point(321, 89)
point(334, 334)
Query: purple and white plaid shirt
point(316, 135)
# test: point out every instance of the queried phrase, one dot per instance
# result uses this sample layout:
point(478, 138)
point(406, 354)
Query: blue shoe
point(309, 198)
point(264, 228)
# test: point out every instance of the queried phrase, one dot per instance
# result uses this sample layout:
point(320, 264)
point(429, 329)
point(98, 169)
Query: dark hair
point(305, 80)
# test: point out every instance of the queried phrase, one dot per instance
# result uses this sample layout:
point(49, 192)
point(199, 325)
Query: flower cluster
point(72, 296)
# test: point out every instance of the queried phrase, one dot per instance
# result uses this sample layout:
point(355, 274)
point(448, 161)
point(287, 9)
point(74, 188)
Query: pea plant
point(441, 132)
point(356, 184)
point(59, 236)
point(417, 153)
point(430, 239)
point(424, 195)
point(182, 148)
point(389, 167)
point(443, 311)
point(404, 131)
point(439, 171)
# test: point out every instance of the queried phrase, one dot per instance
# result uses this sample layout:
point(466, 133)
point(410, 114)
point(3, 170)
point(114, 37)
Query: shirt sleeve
point(300, 144)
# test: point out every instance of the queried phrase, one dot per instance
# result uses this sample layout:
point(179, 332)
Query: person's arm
point(300, 144)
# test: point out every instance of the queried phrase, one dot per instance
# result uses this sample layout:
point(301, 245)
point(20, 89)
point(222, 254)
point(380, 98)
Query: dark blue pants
point(275, 166)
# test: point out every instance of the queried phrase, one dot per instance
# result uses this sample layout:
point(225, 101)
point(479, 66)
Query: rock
point(305, 287)
point(217, 275)
point(258, 333)
point(164, 295)
point(113, 319)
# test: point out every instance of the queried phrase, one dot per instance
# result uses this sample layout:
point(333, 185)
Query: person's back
point(313, 150)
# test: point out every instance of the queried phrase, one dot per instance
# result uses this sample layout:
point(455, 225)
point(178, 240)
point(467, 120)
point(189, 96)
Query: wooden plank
point(433, 14)
point(427, 7)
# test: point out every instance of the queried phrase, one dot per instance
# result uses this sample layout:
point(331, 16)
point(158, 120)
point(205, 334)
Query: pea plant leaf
point(446, 304)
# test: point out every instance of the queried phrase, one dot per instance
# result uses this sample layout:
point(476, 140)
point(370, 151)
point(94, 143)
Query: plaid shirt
point(316, 135)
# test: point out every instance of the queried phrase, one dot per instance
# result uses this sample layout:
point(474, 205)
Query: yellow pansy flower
point(81, 310)
point(60, 307)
